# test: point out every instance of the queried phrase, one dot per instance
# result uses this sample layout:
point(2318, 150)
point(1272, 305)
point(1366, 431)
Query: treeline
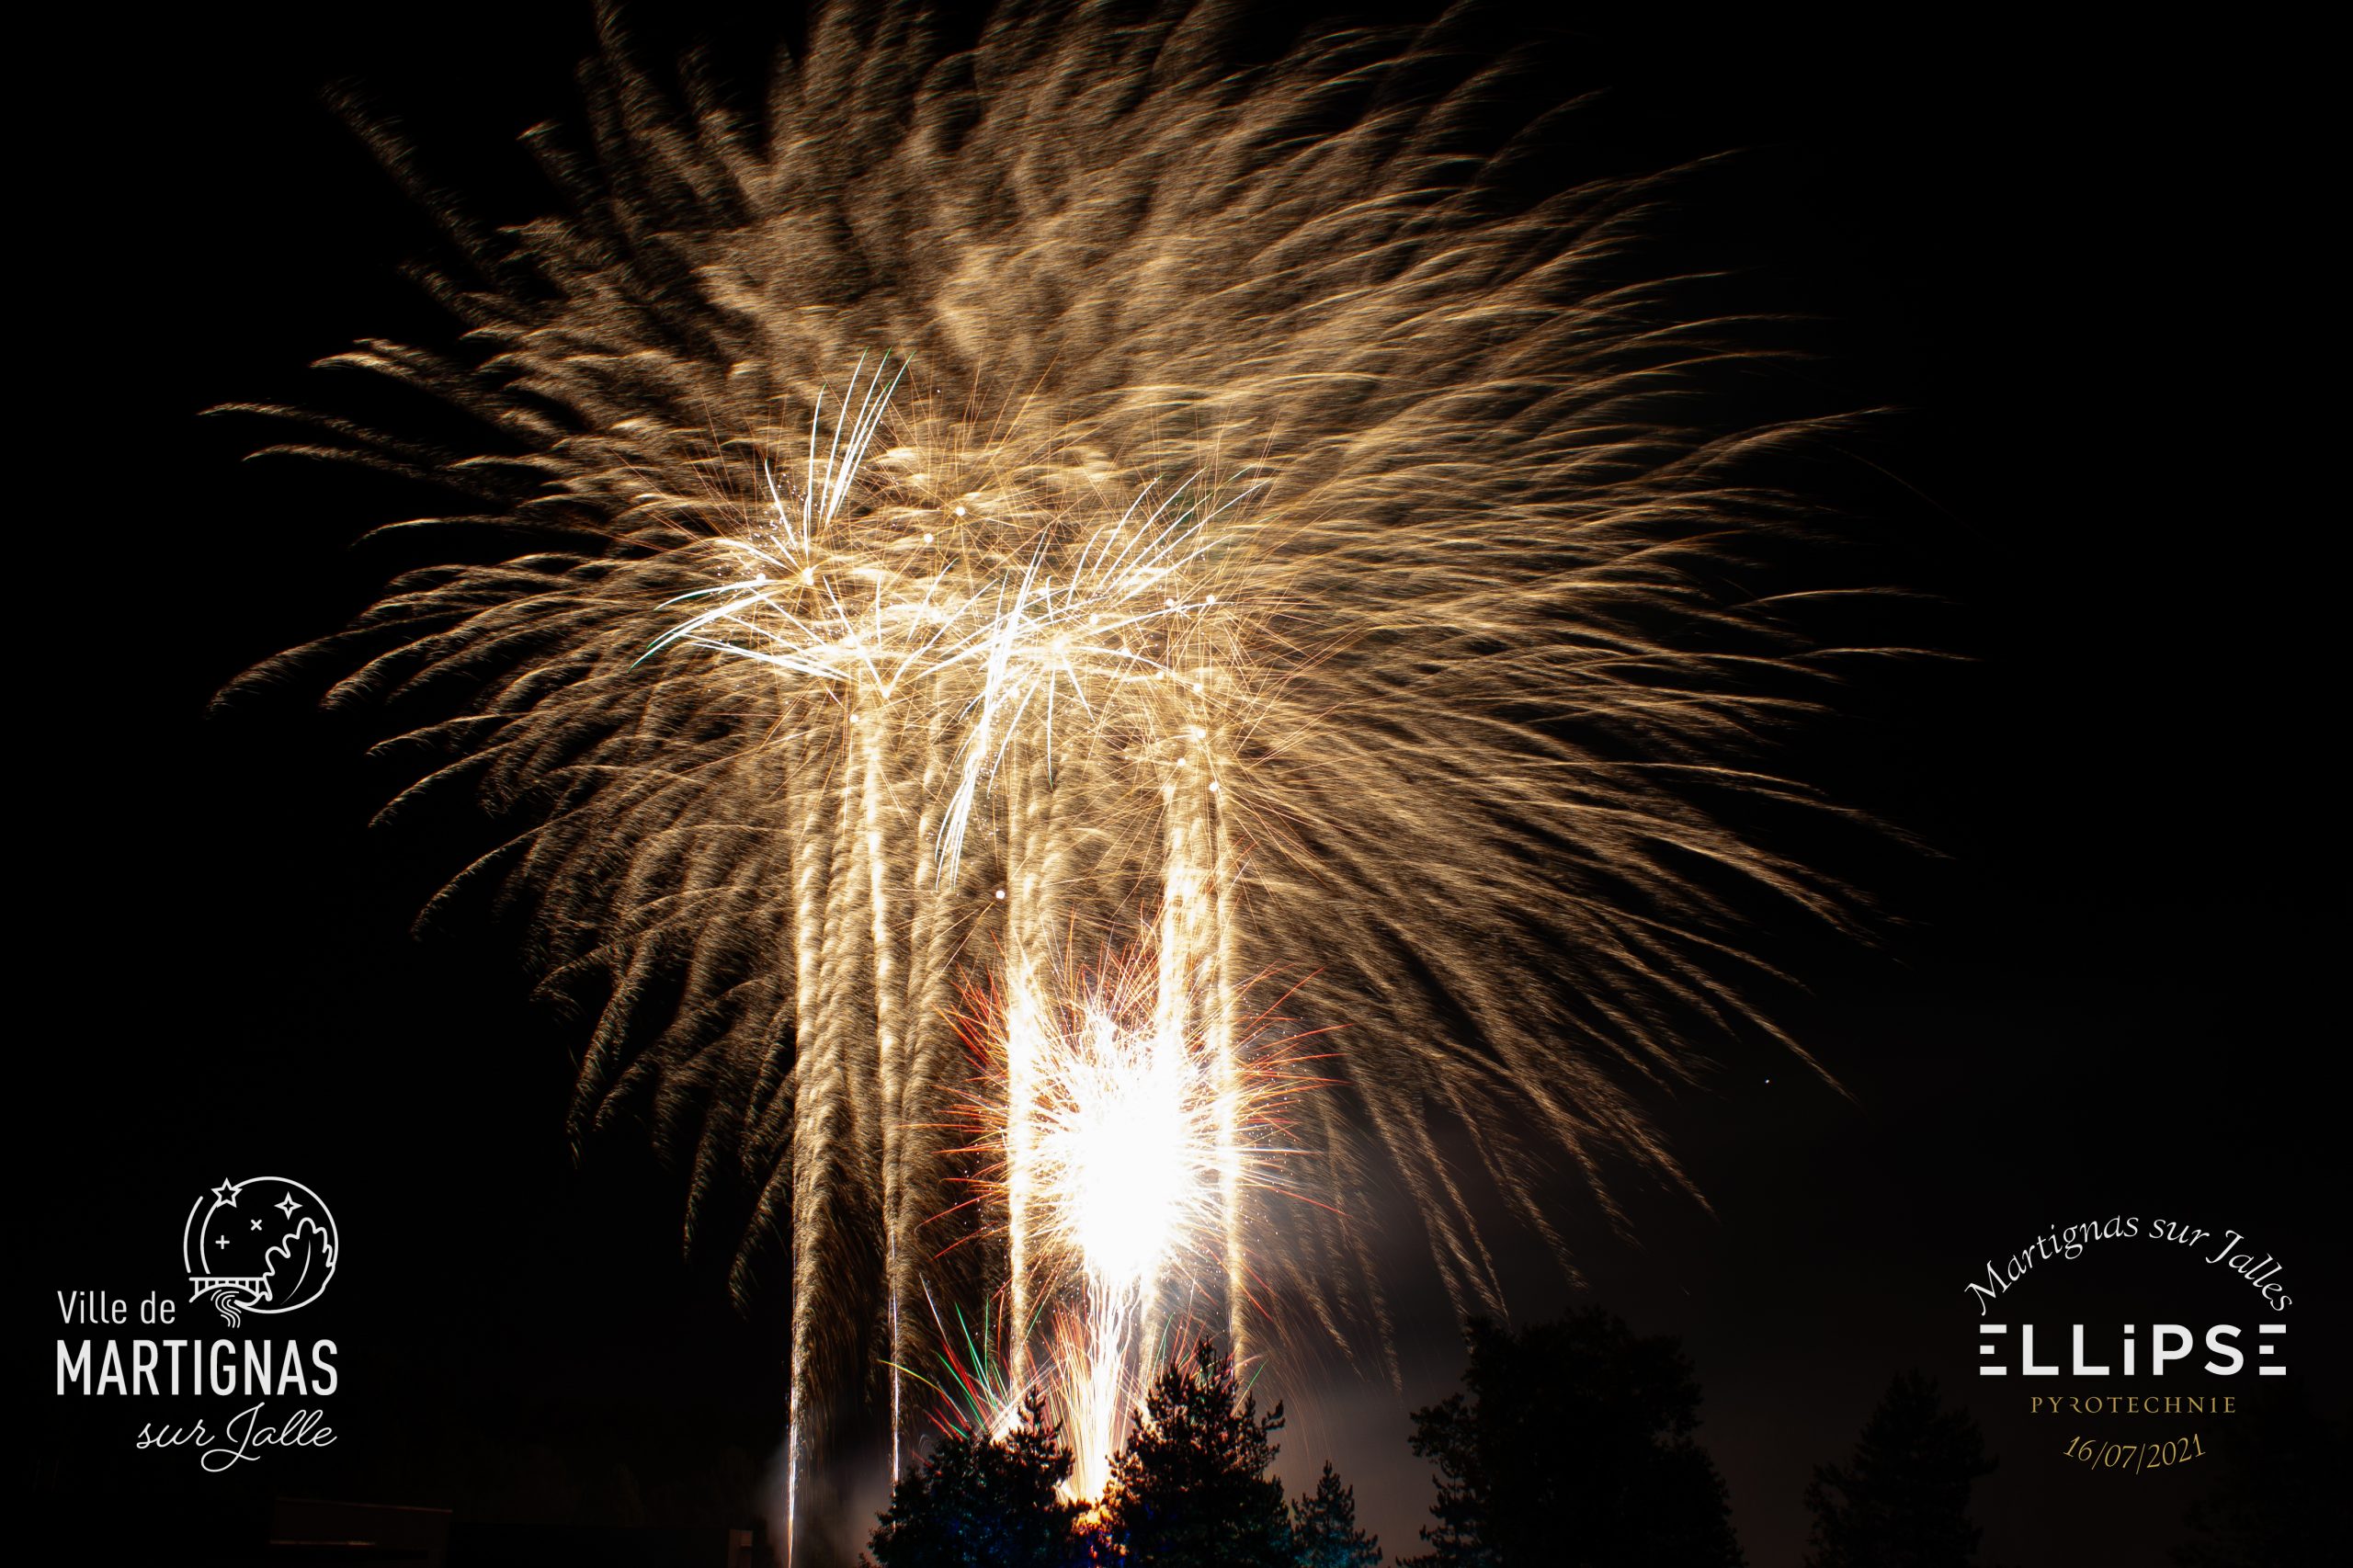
point(1571, 1446)
point(1191, 1487)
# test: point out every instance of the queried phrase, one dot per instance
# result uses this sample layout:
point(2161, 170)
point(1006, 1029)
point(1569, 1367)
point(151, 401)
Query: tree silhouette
point(1904, 1500)
point(1190, 1490)
point(1574, 1449)
point(983, 1502)
point(1323, 1531)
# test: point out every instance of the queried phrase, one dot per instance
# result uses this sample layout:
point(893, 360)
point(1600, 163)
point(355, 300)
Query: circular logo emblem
point(264, 1245)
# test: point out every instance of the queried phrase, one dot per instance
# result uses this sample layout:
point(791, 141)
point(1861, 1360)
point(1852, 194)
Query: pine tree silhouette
point(1903, 1501)
point(982, 1502)
point(1192, 1490)
point(1573, 1449)
point(1323, 1528)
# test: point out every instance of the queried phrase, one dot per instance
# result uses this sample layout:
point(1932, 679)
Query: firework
point(1131, 1119)
point(1071, 494)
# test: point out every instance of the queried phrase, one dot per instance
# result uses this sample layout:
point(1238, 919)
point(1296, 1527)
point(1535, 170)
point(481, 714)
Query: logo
point(2153, 1342)
point(264, 1245)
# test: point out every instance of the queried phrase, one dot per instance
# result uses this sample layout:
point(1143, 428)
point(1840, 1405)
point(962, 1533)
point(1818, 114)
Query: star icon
point(286, 1205)
point(256, 1224)
point(220, 1241)
point(226, 1193)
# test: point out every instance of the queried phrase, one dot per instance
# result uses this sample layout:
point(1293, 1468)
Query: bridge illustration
point(257, 1286)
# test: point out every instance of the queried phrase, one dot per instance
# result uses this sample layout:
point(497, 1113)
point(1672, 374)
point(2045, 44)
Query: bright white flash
point(1128, 1150)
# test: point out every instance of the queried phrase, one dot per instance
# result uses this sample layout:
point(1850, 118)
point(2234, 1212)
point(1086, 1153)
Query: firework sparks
point(953, 647)
point(1253, 537)
point(1138, 1131)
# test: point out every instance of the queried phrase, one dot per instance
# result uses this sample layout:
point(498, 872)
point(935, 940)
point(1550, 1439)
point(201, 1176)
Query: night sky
point(2079, 267)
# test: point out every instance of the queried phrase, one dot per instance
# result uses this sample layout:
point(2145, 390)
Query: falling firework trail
point(1083, 490)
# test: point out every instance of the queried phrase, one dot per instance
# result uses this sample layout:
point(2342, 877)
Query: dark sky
point(2083, 265)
